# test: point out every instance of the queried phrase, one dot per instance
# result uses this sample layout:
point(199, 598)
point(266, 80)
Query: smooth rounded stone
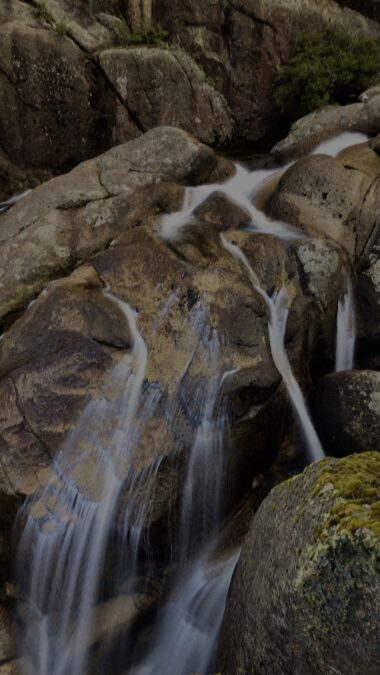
point(166, 87)
point(348, 411)
point(324, 124)
point(305, 595)
point(325, 196)
point(221, 212)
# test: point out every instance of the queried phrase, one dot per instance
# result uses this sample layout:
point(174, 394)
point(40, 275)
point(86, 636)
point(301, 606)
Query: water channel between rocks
point(68, 529)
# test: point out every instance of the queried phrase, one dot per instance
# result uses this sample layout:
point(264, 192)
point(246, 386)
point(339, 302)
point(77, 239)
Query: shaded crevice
point(28, 425)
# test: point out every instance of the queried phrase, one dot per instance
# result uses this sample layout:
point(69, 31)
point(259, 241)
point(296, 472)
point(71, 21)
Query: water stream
point(278, 315)
point(345, 331)
point(68, 525)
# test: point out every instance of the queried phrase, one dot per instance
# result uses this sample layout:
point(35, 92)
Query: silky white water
point(334, 146)
point(67, 526)
point(241, 188)
point(187, 626)
point(345, 331)
point(278, 315)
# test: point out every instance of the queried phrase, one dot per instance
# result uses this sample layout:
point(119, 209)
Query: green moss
point(326, 68)
point(140, 35)
point(355, 481)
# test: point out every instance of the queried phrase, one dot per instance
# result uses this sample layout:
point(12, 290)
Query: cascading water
point(241, 189)
point(67, 527)
point(345, 332)
point(278, 315)
point(188, 624)
point(69, 523)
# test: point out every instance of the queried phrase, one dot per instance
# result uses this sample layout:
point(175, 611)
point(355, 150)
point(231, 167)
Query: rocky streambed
point(209, 419)
point(182, 337)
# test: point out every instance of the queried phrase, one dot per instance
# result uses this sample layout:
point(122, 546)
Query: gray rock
point(305, 596)
point(161, 86)
point(65, 221)
point(320, 125)
point(348, 407)
point(336, 198)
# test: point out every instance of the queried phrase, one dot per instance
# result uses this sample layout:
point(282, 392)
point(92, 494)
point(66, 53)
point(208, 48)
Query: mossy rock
point(306, 593)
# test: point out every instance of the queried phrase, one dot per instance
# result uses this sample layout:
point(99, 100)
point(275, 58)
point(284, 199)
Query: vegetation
point(41, 12)
point(141, 35)
point(328, 68)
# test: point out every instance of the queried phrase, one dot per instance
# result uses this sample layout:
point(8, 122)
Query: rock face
point(349, 411)
point(160, 86)
point(242, 45)
point(82, 96)
point(56, 110)
point(305, 595)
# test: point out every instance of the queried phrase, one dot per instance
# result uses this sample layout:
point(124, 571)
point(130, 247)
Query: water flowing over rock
point(145, 373)
point(305, 594)
point(359, 119)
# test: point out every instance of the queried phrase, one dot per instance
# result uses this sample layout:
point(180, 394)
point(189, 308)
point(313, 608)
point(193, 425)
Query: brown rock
point(161, 86)
point(328, 197)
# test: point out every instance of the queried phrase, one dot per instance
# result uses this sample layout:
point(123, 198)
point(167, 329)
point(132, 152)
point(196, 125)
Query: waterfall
point(334, 146)
point(345, 331)
point(278, 315)
point(63, 545)
point(188, 624)
point(69, 523)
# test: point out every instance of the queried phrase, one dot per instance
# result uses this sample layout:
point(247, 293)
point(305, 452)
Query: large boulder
point(349, 411)
point(161, 86)
point(320, 125)
point(337, 198)
point(65, 221)
point(305, 595)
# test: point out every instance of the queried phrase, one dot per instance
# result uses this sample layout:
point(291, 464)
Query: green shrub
point(328, 68)
point(140, 35)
